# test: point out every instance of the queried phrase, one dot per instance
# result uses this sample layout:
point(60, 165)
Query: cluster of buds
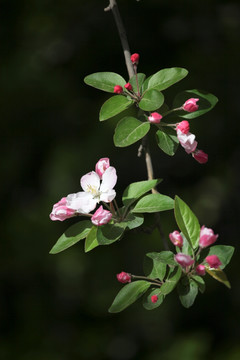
point(118, 89)
point(97, 186)
point(207, 238)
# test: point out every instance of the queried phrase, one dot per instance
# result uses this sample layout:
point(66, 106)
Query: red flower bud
point(190, 105)
point(213, 261)
point(118, 89)
point(176, 238)
point(135, 59)
point(200, 156)
point(124, 277)
point(207, 237)
point(200, 269)
point(183, 126)
point(155, 118)
point(154, 298)
point(128, 86)
point(183, 259)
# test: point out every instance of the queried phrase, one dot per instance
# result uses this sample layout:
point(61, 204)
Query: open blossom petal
point(108, 196)
point(82, 202)
point(90, 182)
point(109, 179)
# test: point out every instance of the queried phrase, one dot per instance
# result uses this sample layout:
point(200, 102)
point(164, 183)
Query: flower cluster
point(206, 238)
point(97, 187)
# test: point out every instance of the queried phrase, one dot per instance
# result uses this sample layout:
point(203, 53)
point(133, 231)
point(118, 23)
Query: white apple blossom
point(94, 191)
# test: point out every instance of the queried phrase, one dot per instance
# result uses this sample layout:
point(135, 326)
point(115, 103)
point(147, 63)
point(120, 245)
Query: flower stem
point(152, 281)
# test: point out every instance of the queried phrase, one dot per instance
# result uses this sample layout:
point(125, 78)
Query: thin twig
point(127, 54)
point(122, 34)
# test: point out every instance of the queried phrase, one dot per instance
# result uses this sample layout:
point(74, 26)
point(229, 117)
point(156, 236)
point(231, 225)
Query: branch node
point(108, 8)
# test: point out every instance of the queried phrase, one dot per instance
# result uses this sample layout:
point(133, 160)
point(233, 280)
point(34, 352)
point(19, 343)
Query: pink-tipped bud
point(200, 269)
point(183, 126)
point(183, 259)
point(154, 299)
point(155, 118)
point(101, 216)
point(176, 238)
point(190, 105)
point(124, 277)
point(135, 59)
point(60, 211)
point(128, 86)
point(200, 156)
point(213, 261)
point(101, 166)
point(118, 89)
point(207, 237)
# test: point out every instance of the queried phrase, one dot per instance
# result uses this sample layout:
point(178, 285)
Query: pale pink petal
point(82, 202)
point(90, 182)
point(108, 196)
point(109, 179)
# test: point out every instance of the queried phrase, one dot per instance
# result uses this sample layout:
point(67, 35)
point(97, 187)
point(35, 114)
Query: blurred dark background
point(55, 307)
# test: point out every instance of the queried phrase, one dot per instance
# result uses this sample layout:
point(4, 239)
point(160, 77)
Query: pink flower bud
point(190, 105)
point(101, 216)
point(154, 298)
point(155, 118)
point(213, 261)
point(183, 126)
point(135, 59)
point(187, 141)
point(101, 166)
point(118, 89)
point(128, 86)
point(200, 269)
point(176, 238)
point(183, 259)
point(124, 277)
point(200, 156)
point(207, 237)
point(60, 211)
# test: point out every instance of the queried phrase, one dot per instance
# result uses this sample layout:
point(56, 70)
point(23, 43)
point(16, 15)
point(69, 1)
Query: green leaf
point(172, 280)
point(91, 240)
point(153, 203)
point(132, 221)
point(186, 248)
point(166, 77)
point(145, 84)
point(109, 233)
point(151, 100)
point(104, 81)
point(224, 252)
point(147, 302)
point(141, 77)
point(72, 235)
point(167, 140)
point(187, 290)
point(160, 262)
point(187, 222)
point(137, 189)
point(129, 130)
point(219, 275)
point(128, 295)
point(113, 106)
point(206, 102)
point(200, 282)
